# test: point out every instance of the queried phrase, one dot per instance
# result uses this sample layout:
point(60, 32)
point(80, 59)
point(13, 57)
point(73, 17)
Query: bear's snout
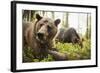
point(40, 35)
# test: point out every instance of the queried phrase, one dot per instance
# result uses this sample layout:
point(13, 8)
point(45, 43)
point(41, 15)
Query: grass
point(74, 52)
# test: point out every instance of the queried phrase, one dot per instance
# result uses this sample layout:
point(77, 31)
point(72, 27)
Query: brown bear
point(69, 36)
point(39, 36)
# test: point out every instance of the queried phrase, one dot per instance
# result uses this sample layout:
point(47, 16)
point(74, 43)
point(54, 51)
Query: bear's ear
point(57, 21)
point(38, 17)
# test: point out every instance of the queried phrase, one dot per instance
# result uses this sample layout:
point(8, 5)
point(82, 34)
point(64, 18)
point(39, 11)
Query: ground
point(73, 52)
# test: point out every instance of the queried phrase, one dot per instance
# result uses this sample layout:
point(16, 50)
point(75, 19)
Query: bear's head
point(46, 28)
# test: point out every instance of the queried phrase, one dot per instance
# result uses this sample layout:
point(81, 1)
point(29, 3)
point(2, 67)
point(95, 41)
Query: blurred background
point(80, 21)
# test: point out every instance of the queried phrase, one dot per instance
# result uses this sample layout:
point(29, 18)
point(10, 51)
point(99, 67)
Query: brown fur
point(30, 38)
point(58, 56)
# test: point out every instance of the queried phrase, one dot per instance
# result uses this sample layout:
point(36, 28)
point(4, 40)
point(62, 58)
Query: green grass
point(74, 52)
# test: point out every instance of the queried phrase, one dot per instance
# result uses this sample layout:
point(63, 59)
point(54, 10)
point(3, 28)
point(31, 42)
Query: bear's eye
point(49, 28)
point(41, 25)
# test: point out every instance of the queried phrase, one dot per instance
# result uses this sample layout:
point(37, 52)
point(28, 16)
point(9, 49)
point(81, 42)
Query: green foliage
point(73, 51)
point(49, 58)
point(28, 56)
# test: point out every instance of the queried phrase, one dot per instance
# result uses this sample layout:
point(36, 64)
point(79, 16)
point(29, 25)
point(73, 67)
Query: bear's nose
point(40, 35)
